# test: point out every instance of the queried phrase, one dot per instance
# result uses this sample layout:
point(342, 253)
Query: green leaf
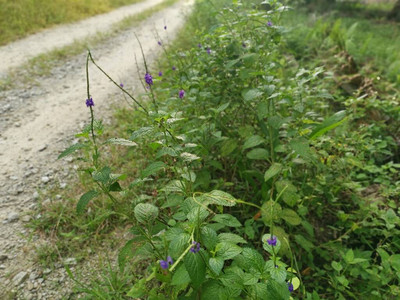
point(273, 170)
point(122, 142)
point(304, 243)
point(228, 146)
point(84, 200)
point(103, 175)
point(337, 266)
point(153, 168)
point(209, 237)
point(227, 220)
point(145, 212)
point(216, 264)
point(394, 261)
point(290, 194)
point(228, 250)
point(189, 157)
point(270, 211)
point(349, 257)
point(251, 94)
point(258, 154)
point(232, 238)
point(142, 132)
point(302, 148)
point(218, 197)
point(291, 217)
point(277, 290)
point(115, 187)
point(253, 141)
point(126, 252)
point(71, 149)
point(196, 268)
point(138, 290)
point(253, 259)
point(181, 276)
point(179, 244)
point(328, 124)
point(279, 274)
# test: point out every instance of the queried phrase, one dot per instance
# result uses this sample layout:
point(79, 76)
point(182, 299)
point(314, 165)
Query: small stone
point(44, 147)
point(70, 261)
point(12, 217)
point(26, 218)
point(40, 280)
point(30, 286)
point(45, 179)
point(20, 278)
point(2, 267)
point(46, 271)
point(33, 276)
point(63, 185)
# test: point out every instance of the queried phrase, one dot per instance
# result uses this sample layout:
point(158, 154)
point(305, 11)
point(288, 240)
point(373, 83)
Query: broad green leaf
point(181, 276)
point(232, 238)
point(138, 290)
point(227, 220)
point(189, 157)
point(84, 200)
point(328, 124)
point(142, 132)
point(251, 94)
point(153, 168)
point(196, 268)
point(216, 264)
point(115, 187)
point(258, 154)
point(279, 274)
point(70, 150)
point(250, 279)
point(145, 212)
point(296, 283)
point(302, 148)
point(270, 211)
point(119, 141)
point(349, 257)
point(126, 252)
point(198, 214)
point(253, 259)
point(253, 141)
point(290, 194)
point(273, 170)
point(394, 261)
point(227, 250)
point(277, 290)
point(209, 237)
point(337, 266)
point(291, 217)
point(179, 244)
point(103, 175)
point(228, 146)
point(218, 197)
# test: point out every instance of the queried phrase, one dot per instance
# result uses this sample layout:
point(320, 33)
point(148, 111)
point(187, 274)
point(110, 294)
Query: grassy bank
point(22, 17)
point(251, 172)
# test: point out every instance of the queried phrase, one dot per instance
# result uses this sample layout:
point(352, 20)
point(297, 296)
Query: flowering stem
point(184, 253)
point(96, 154)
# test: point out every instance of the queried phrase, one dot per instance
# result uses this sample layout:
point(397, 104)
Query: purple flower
point(195, 248)
point(165, 27)
point(89, 102)
point(169, 260)
point(272, 241)
point(208, 50)
point(173, 68)
point(148, 78)
point(121, 85)
point(290, 287)
point(160, 73)
point(199, 45)
point(159, 43)
point(269, 24)
point(181, 94)
point(165, 263)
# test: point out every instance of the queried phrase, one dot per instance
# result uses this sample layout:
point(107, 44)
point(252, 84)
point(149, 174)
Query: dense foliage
point(258, 182)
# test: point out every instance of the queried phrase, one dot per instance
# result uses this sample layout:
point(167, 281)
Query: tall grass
point(22, 17)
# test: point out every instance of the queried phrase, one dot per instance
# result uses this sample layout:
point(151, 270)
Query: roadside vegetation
point(261, 162)
point(23, 17)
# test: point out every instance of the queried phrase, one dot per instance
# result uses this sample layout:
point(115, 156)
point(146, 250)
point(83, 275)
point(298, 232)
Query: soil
point(38, 122)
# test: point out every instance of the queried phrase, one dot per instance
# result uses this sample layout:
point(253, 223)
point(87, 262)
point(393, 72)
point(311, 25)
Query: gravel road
point(37, 123)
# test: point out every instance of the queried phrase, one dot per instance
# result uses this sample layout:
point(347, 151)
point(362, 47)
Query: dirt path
point(14, 54)
point(41, 130)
